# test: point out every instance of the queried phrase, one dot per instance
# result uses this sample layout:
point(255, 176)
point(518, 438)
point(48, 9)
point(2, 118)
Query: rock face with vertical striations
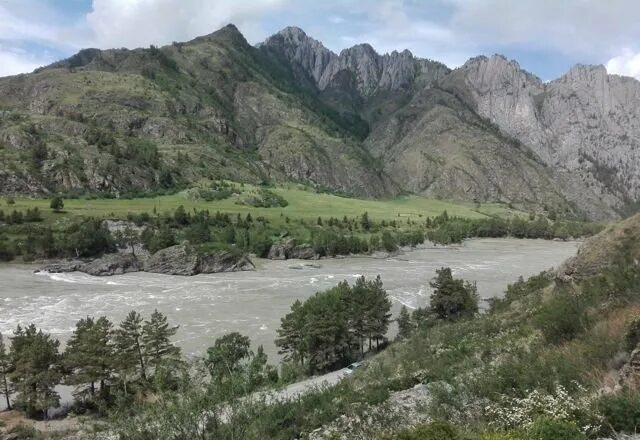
point(585, 124)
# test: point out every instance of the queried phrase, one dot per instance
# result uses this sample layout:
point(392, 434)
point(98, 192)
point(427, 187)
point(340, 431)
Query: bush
point(622, 411)
point(436, 430)
point(264, 199)
point(562, 318)
point(632, 337)
point(23, 432)
point(57, 204)
point(549, 429)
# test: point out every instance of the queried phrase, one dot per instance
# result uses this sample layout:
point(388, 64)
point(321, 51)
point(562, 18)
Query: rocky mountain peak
point(301, 50)
point(584, 73)
point(294, 34)
point(371, 71)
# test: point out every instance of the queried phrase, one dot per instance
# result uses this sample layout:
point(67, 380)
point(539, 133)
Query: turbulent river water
point(207, 306)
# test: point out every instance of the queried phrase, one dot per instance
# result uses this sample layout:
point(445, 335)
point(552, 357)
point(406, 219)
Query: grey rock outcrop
point(175, 260)
point(110, 264)
point(585, 124)
point(289, 250)
point(629, 376)
point(184, 260)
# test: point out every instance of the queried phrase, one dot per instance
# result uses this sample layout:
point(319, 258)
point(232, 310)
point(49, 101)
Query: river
point(252, 303)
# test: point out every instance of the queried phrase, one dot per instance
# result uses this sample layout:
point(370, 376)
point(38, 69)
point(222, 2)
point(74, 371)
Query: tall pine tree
point(156, 337)
point(290, 339)
point(89, 355)
point(36, 370)
point(405, 326)
point(5, 369)
point(130, 346)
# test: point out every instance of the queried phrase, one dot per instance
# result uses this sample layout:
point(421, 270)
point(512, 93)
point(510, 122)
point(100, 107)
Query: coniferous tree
point(156, 337)
point(357, 301)
point(5, 369)
point(260, 372)
point(89, 355)
point(405, 326)
point(365, 223)
point(378, 311)
point(130, 346)
point(326, 337)
point(452, 298)
point(36, 372)
point(291, 334)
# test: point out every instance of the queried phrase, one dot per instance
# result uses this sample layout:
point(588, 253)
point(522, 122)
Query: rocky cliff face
point(373, 73)
point(584, 125)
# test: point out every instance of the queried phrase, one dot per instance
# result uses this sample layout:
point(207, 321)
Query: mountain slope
point(140, 119)
point(426, 138)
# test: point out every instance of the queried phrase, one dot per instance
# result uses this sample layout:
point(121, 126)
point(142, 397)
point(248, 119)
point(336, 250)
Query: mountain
point(357, 122)
point(123, 120)
point(585, 125)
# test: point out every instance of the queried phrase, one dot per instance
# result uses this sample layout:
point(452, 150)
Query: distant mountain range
point(357, 122)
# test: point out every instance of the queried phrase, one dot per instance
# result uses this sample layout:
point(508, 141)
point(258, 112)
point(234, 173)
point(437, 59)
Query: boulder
point(185, 260)
point(113, 264)
point(61, 266)
point(174, 260)
point(289, 250)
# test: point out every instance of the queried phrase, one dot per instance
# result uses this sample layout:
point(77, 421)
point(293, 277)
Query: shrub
point(562, 318)
point(632, 337)
point(23, 432)
point(621, 411)
point(437, 430)
point(264, 199)
point(57, 204)
point(549, 429)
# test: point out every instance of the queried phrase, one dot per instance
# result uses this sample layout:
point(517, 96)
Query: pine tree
point(90, 355)
point(290, 339)
point(156, 337)
point(375, 308)
point(36, 372)
point(357, 306)
point(5, 369)
point(365, 223)
point(452, 298)
point(129, 345)
point(405, 326)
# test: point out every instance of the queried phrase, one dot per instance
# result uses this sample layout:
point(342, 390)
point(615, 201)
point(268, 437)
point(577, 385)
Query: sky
point(546, 37)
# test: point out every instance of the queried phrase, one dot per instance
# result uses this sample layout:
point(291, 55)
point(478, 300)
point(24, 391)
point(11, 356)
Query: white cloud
point(135, 23)
point(14, 62)
point(627, 64)
point(592, 27)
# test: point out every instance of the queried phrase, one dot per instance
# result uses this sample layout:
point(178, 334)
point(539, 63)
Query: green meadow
point(302, 203)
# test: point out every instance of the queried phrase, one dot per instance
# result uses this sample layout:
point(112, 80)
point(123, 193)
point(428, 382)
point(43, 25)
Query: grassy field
point(303, 203)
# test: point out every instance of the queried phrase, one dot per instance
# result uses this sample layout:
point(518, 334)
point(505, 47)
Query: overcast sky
point(545, 36)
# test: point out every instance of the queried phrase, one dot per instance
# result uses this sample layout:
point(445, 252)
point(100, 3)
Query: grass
point(303, 203)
